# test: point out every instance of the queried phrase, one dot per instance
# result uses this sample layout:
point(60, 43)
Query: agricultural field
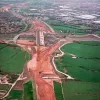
point(84, 66)
point(28, 91)
point(85, 62)
point(15, 95)
point(71, 29)
point(83, 50)
point(58, 91)
point(12, 62)
point(4, 89)
point(74, 90)
point(10, 55)
point(25, 94)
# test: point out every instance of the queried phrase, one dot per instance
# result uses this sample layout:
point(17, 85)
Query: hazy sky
point(77, 0)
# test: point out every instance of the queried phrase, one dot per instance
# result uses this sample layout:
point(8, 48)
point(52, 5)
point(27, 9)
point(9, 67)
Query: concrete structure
point(40, 38)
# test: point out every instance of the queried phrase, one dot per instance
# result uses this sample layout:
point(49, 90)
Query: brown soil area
point(19, 85)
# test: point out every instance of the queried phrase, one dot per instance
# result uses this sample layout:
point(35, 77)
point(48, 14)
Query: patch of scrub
point(5, 87)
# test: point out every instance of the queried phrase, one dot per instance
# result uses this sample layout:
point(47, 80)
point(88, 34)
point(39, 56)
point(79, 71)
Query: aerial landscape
point(49, 49)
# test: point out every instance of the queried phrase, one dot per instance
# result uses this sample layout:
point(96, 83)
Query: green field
point(82, 50)
point(74, 90)
point(28, 91)
point(26, 94)
point(92, 43)
point(86, 64)
point(69, 28)
point(98, 32)
point(12, 58)
point(15, 95)
point(58, 91)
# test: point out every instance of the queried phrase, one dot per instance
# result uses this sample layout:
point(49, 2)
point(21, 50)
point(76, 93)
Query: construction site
point(35, 59)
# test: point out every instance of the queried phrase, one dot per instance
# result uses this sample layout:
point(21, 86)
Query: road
point(41, 64)
point(41, 61)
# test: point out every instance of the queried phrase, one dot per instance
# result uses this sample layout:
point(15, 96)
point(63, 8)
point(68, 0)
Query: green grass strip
point(58, 91)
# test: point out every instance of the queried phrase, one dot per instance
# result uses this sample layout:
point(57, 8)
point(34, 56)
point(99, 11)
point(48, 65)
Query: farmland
point(84, 52)
point(71, 28)
point(58, 91)
point(74, 90)
point(84, 67)
point(9, 57)
point(28, 91)
point(15, 94)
